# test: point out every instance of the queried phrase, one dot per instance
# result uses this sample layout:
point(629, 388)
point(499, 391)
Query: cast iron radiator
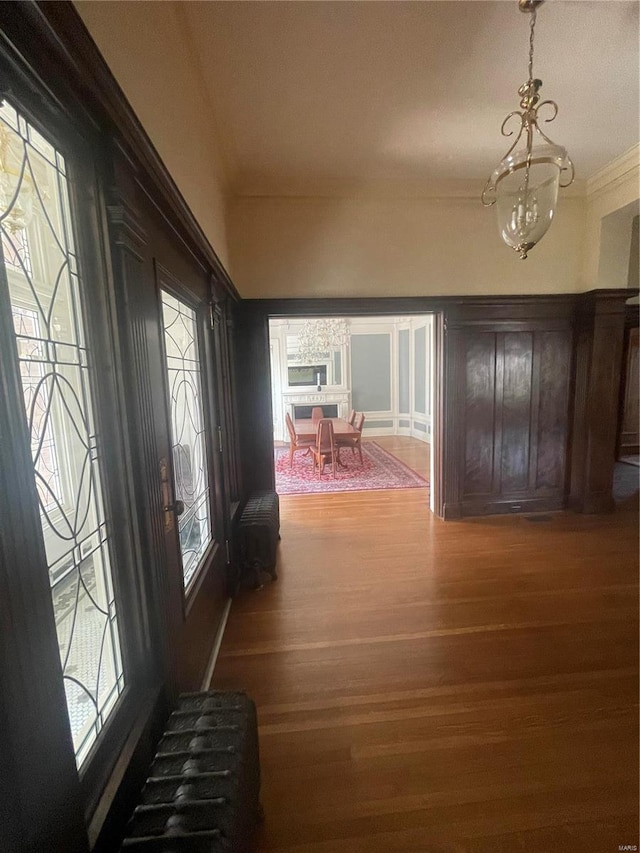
point(258, 534)
point(203, 792)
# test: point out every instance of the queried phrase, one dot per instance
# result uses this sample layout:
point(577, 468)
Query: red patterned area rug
point(380, 470)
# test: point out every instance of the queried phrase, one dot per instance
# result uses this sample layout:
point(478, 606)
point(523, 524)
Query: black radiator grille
point(202, 794)
point(258, 534)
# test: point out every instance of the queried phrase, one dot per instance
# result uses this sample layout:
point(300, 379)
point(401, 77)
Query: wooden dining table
point(308, 429)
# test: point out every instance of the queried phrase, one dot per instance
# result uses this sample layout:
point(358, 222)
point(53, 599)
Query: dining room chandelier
point(318, 338)
point(524, 185)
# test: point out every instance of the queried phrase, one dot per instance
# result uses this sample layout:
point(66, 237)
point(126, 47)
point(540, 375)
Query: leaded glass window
point(36, 401)
point(187, 431)
point(55, 358)
point(16, 250)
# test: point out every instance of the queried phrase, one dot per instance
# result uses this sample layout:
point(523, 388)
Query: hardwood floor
point(412, 452)
point(468, 687)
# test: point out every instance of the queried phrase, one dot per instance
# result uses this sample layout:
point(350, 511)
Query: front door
point(190, 469)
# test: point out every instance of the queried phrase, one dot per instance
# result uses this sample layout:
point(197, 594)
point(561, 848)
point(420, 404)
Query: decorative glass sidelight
point(46, 295)
point(187, 431)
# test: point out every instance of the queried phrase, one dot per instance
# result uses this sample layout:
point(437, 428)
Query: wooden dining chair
point(353, 441)
point(325, 447)
point(352, 417)
point(296, 443)
point(317, 413)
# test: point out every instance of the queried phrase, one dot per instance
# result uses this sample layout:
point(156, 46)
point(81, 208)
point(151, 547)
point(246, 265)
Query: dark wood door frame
point(257, 313)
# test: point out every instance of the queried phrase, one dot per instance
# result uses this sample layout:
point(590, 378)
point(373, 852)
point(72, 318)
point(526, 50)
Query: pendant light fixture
point(524, 185)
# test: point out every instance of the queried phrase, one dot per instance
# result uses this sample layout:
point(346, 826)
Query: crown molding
point(616, 172)
point(254, 186)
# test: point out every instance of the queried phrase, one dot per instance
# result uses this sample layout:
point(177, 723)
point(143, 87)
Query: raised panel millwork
point(404, 372)
point(510, 410)
point(420, 369)
point(479, 413)
point(553, 356)
point(516, 411)
point(371, 372)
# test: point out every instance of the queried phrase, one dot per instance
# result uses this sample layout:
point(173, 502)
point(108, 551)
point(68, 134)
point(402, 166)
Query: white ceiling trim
point(616, 172)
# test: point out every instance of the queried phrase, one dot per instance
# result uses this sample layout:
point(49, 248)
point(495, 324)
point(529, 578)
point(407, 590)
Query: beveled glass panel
point(187, 431)
point(54, 356)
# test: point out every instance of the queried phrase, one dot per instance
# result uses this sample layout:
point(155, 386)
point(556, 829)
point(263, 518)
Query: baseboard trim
point(472, 508)
point(215, 650)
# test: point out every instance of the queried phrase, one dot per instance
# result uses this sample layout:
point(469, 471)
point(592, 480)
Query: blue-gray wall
point(371, 372)
point(404, 371)
point(420, 370)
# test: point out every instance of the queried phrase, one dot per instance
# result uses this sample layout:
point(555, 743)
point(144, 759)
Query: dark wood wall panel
point(533, 385)
point(511, 404)
point(506, 378)
point(517, 359)
point(136, 302)
point(600, 326)
point(553, 353)
point(253, 374)
point(479, 415)
point(605, 376)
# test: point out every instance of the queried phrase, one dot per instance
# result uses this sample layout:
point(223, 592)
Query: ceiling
point(317, 96)
point(313, 98)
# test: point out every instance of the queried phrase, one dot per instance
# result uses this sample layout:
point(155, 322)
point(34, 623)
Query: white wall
point(614, 188)
point(146, 54)
point(615, 246)
point(330, 247)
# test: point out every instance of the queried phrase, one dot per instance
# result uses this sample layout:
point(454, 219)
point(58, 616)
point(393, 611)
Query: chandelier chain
point(532, 26)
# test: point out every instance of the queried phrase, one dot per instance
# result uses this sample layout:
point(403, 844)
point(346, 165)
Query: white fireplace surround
point(341, 399)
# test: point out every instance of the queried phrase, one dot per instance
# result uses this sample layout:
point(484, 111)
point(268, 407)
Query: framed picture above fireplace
point(305, 375)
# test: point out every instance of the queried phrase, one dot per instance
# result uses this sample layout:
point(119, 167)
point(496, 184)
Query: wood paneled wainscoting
point(531, 387)
point(508, 389)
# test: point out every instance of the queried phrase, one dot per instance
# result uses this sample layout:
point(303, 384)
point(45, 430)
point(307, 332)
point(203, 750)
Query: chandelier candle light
point(524, 185)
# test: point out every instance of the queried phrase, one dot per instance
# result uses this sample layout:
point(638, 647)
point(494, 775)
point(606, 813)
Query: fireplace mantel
point(342, 399)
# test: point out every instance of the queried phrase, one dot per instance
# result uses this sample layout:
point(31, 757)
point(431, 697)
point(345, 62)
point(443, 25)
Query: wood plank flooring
point(442, 687)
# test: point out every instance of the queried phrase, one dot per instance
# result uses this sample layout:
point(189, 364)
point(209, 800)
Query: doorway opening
point(374, 377)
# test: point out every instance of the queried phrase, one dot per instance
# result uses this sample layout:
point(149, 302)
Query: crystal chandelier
point(318, 338)
point(524, 185)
